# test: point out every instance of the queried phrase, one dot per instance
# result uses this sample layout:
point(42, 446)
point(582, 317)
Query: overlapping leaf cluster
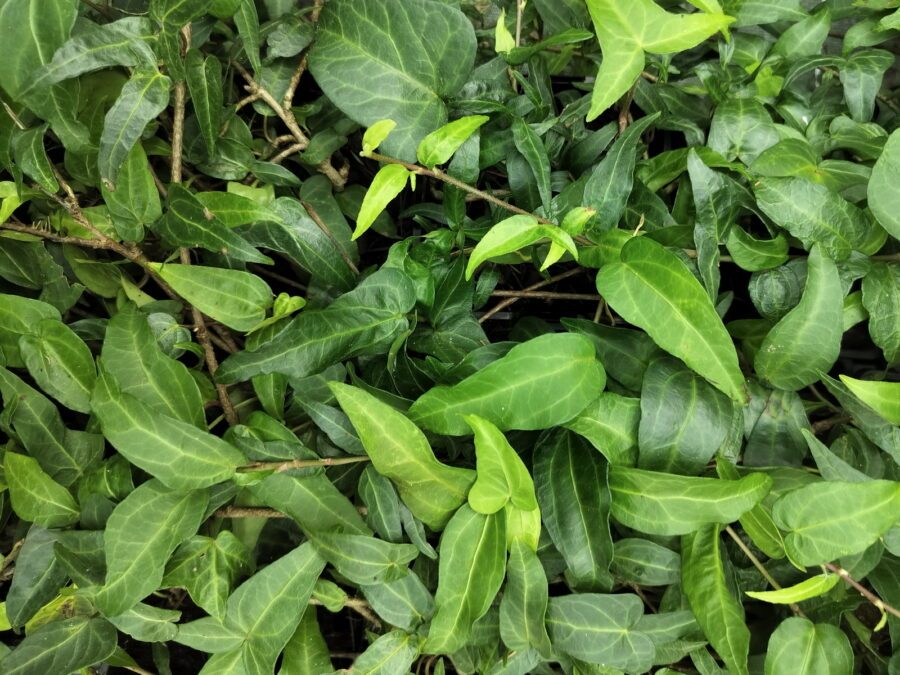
point(477, 336)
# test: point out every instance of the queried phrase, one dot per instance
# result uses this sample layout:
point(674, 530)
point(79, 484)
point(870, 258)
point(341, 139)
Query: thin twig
point(278, 467)
point(248, 512)
point(547, 295)
point(759, 566)
point(287, 152)
point(358, 605)
point(288, 99)
point(865, 592)
point(324, 227)
point(6, 566)
point(500, 306)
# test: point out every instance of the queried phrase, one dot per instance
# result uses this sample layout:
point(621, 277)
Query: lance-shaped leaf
point(176, 452)
point(540, 383)
point(800, 647)
point(35, 496)
point(571, 482)
point(431, 55)
point(142, 532)
point(532, 148)
point(364, 321)
point(387, 184)
point(719, 613)
point(64, 646)
point(143, 98)
point(472, 564)
point(61, 363)
point(883, 198)
point(600, 629)
point(400, 451)
point(515, 233)
point(830, 519)
point(501, 475)
point(375, 135)
point(363, 559)
point(662, 503)
point(38, 578)
point(135, 201)
point(204, 81)
point(438, 146)
point(627, 30)
point(807, 340)
point(806, 589)
point(236, 298)
point(882, 397)
point(31, 156)
point(652, 288)
point(147, 623)
point(524, 604)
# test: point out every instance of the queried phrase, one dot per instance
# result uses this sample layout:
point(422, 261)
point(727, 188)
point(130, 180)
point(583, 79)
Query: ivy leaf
point(61, 363)
point(135, 201)
point(387, 184)
point(515, 233)
point(438, 146)
point(883, 199)
point(626, 31)
point(501, 475)
point(63, 646)
point(798, 646)
point(35, 496)
point(363, 559)
point(204, 81)
point(524, 603)
point(806, 589)
point(882, 397)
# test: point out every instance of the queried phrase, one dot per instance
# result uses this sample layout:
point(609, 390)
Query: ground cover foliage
point(477, 336)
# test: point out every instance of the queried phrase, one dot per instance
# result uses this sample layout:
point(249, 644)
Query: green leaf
point(135, 200)
point(862, 75)
point(404, 602)
point(177, 453)
point(35, 496)
point(30, 155)
point(524, 603)
point(807, 341)
point(644, 562)
point(438, 146)
point(142, 532)
point(432, 47)
point(800, 647)
point(247, 21)
point(188, 223)
point(204, 81)
point(806, 589)
point(652, 288)
point(830, 519)
point(135, 361)
point(63, 646)
point(375, 135)
point(610, 424)
point(387, 184)
point(17, 316)
point(530, 146)
point(237, 299)
point(207, 568)
point(393, 652)
point(757, 522)
point(719, 613)
point(540, 383)
point(143, 98)
point(625, 32)
point(883, 198)
point(400, 451)
point(501, 475)
point(600, 629)
point(472, 565)
point(882, 397)
point(742, 128)
point(570, 479)
point(306, 651)
point(364, 321)
point(61, 363)
point(363, 559)
point(37, 579)
point(661, 503)
point(881, 297)
point(756, 255)
point(515, 233)
point(147, 623)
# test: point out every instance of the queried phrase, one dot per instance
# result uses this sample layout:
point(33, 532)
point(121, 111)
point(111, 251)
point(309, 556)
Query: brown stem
point(278, 467)
point(865, 592)
point(500, 306)
point(327, 230)
point(546, 295)
point(248, 512)
point(759, 566)
point(358, 605)
point(287, 152)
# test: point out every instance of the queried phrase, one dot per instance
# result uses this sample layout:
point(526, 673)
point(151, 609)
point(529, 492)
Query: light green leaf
point(35, 496)
point(626, 31)
point(472, 564)
point(501, 475)
point(208, 635)
point(652, 288)
point(600, 629)
point(64, 646)
point(180, 455)
point(438, 146)
point(306, 652)
point(142, 532)
point(400, 451)
point(610, 423)
point(830, 519)
point(757, 522)
point(364, 321)
point(431, 48)
point(387, 184)
point(719, 613)
point(540, 383)
point(61, 363)
point(523, 606)
point(363, 559)
point(513, 234)
point(807, 340)
point(571, 482)
point(143, 98)
point(504, 42)
point(237, 299)
point(147, 623)
point(883, 198)
point(882, 397)
point(393, 652)
point(661, 503)
point(404, 602)
point(800, 647)
point(375, 135)
point(806, 589)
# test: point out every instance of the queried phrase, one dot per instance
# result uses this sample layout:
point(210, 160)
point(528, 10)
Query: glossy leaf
point(35, 496)
point(882, 397)
point(62, 646)
point(61, 363)
point(501, 476)
point(806, 589)
point(513, 234)
point(438, 146)
point(802, 647)
point(387, 184)
point(524, 603)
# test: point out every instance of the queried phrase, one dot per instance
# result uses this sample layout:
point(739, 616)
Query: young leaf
point(501, 476)
point(35, 496)
point(806, 589)
point(399, 451)
point(61, 363)
point(882, 397)
point(559, 370)
point(652, 288)
point(375, 135)
point(387, 184)
point(438, 146)
point(237, 299)
point(513, 234)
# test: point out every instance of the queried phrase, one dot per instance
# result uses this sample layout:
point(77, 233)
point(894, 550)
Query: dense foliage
point(477, 336)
